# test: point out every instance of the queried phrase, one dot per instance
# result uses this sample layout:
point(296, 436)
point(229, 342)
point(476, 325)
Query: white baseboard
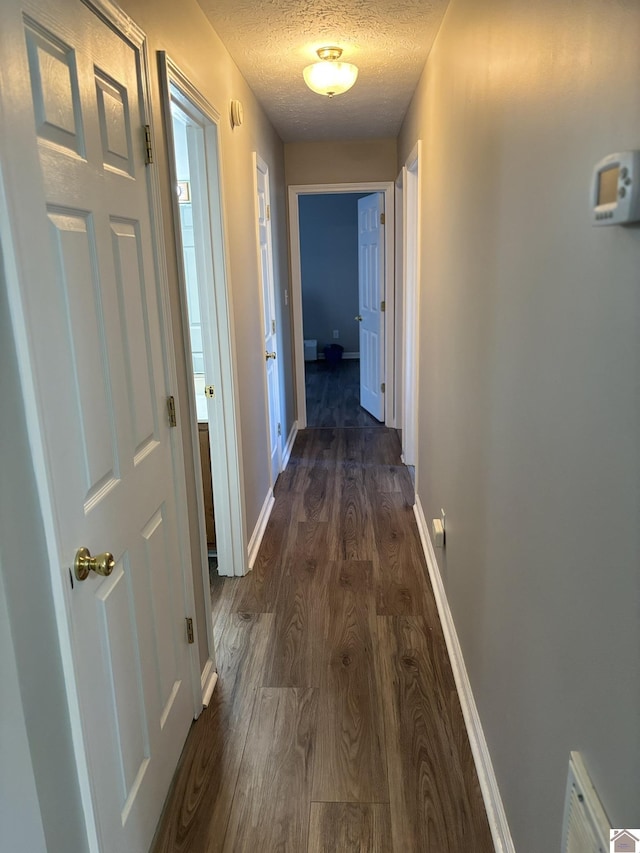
point(261, 524)
point(208, 681)
point(286, 455)
point(488, 784)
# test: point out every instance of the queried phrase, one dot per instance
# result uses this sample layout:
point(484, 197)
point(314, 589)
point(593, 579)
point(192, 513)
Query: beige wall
point(182, 30)
point(529, 410)
point(340, 162)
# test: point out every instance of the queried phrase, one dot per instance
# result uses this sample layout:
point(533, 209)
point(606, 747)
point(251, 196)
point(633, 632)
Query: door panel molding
point(295, 191)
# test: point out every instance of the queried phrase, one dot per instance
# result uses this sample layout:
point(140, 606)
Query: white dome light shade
point(330, 77)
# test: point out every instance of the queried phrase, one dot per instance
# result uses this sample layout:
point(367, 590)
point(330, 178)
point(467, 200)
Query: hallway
point(335, 725)
point(333, 395)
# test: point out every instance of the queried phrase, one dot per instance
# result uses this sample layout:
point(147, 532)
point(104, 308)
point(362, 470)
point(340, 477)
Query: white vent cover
point(585, 826)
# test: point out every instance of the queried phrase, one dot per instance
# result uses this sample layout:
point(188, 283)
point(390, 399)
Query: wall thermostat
point(615, 190)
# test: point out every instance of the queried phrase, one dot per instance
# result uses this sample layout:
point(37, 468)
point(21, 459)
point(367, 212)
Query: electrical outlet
point(336, 334)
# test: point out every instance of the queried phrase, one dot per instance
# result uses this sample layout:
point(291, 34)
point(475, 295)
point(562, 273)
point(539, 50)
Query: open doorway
point(342, 291)
point(330, 310)
point(194, 272)
point(192, 132)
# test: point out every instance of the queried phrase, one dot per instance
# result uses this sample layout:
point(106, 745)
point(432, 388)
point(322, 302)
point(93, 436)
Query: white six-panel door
point(371, 293)
point(269, 318)
point(95, 324)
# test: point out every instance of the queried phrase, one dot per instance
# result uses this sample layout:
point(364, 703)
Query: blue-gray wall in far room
point(329, 264)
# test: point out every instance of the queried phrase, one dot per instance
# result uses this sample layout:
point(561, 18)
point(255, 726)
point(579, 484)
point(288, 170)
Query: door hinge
point(273, 327)
point(279, 429)
point(383, 387)
point(383, 305)
point(148, 149)
point(190, 639)
point(268, 212)
point(382, 219)
point(171, 411)
point(209, 391)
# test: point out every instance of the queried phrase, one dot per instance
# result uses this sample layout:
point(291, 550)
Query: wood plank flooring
point(335, 724)
point(333, 395)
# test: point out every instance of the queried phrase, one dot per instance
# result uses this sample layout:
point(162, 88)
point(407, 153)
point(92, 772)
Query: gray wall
point(529, 407)
point(329, 262)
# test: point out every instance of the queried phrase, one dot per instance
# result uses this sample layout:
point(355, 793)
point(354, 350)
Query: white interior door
point(96, 330)
point(371, 295)
point(269, 328)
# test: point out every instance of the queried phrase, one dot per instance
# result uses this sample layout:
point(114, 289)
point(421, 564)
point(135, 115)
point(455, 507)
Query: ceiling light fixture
point(330, 77)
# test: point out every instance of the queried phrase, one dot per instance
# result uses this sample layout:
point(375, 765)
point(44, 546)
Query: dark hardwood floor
point(335, 724)
point(333, 395)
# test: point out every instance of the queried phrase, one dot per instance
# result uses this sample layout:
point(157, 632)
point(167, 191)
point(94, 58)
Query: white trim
point(267, 506)
point(226, 457)
point(286, 455)
point(399, 299)
point(411, 225)
point(208, 681)
point(261, 526)
point(488, 783)
point(296, 190)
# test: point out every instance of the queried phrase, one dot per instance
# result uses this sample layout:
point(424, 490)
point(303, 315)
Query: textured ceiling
point(271, 41)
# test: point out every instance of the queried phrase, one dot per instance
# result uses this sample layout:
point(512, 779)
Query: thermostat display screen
point(608, 185)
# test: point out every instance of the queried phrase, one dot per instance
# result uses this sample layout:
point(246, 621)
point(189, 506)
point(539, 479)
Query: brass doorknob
point(358, 318)
point(269, 355)
point(84, 563)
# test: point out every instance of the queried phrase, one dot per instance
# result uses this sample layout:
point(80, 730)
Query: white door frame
point(260, 165)
point(411, 304)
point(17, 232)
point(226, 459)
point(295, 191)
point(399, 303)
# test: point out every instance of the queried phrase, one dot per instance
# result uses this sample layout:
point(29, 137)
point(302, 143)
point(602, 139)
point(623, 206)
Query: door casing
point(226, 458)
point(295, 191)
point(410, 344)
